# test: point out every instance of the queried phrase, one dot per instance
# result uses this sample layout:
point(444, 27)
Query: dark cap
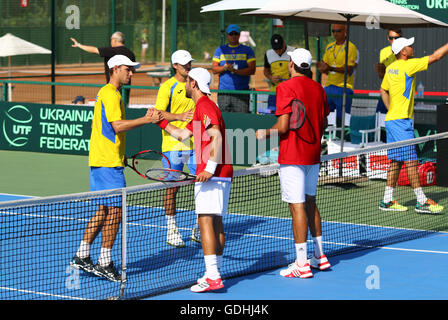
point(277, 42)
point(79, 98)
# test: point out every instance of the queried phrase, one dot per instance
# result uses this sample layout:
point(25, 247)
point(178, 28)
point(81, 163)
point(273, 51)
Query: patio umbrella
point(14, 46)
point(380, 12)
point(234, 5)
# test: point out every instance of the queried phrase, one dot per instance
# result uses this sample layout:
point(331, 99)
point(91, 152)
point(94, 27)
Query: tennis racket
point(168, 175)
point(298, 115)
point(146, 160)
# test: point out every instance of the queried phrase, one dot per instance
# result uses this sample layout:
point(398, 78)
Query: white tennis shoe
point(173, 238)
point(296, 271)
point(321, 263)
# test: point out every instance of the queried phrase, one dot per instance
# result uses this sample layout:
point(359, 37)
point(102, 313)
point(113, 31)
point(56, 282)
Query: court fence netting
point(40, 236)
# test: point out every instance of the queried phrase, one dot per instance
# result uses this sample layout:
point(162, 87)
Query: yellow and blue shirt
point(240, 56)
point(171, 98)
point(107, 148)
point(335, 57)
point(387, 56)
point(399, 81)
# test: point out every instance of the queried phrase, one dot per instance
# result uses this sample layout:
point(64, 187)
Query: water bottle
point(420, 90)
point(420, 94)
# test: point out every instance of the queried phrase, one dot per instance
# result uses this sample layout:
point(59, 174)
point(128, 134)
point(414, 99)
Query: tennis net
point(40, 236)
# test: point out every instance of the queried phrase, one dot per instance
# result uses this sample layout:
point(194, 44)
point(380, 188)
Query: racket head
point(168, 175)
point(298, 115)
point(148, 159)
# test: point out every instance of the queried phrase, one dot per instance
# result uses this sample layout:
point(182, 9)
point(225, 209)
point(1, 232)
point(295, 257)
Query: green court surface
point(43, 174)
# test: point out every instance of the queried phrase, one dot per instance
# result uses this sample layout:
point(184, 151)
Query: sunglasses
point(394, 38)
point(336, 30)
point(233, 33)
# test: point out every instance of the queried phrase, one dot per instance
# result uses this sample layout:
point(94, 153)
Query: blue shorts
point(103, 178)
point(400, 130)
point(335, 103)
point(178, 159)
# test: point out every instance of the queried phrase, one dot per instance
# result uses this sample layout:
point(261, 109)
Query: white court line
point(42, 293)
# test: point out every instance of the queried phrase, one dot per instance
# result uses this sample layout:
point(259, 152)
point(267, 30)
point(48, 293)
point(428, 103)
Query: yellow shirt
point(171, 98)
point(387, 56)
point(399, 81)
point(106, 147)
point(335, 57)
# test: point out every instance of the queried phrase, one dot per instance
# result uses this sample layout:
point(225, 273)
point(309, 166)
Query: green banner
point(45, 128)
point(437, 9)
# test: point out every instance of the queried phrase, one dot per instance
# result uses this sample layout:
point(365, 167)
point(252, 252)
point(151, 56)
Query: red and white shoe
point(207, 284)
point(321, 263)
point(296, 271)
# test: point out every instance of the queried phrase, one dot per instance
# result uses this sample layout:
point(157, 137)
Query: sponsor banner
point(45, 127)
point(437, 9)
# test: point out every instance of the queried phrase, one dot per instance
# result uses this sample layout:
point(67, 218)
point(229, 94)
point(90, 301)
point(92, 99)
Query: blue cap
point(79, 98)
point(233, 27)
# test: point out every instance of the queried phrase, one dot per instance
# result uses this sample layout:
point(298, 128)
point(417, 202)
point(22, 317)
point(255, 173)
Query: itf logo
point(17, 125)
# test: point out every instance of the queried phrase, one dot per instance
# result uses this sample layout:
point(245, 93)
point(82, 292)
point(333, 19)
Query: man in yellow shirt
point(176, 107)
point(397, 92)
point(106, 161)
point(276, 61)
point(333, 64)
point(386, 58)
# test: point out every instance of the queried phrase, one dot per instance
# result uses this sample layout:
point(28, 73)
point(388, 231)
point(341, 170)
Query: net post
point(123, 241)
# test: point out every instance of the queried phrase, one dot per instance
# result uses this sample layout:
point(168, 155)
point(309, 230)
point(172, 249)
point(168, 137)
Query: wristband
point(78, 45)
point(162, 124)
point(211, 166)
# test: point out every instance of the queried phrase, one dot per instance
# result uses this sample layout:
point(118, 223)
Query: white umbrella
point(361, 12)
point(14, 46)
point(373, 12)
point(234, 5)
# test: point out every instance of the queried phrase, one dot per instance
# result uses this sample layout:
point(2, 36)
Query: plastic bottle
point(420, 94)
point(420, 90)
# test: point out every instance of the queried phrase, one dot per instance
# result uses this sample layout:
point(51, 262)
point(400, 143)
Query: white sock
point(105, 258)
point(318, 252)
point(388, 194)
point(211, 267)
point(83, 250)
point(301, 253)
point(171, 222)
point(421, 197)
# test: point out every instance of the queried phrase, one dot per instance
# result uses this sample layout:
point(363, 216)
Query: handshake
point(154, 115)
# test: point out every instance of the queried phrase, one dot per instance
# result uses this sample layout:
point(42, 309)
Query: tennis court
point(374, 254)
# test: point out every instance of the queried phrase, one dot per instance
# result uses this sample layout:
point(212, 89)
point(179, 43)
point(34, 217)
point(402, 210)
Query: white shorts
point(212, 197)
point(296, 181)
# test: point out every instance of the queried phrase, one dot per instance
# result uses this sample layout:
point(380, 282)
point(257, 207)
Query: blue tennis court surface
point(412, 269)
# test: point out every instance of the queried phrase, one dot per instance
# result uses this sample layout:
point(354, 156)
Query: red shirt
point(303, 146)
point(205, 115)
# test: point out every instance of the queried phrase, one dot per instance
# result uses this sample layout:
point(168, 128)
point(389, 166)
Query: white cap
point(181, 57)
point(301, 58)
point(121, 60)
point(400, 43)
point(202, 77)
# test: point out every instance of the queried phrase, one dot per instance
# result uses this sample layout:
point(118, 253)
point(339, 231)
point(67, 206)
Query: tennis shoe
point(108, 272)
point(207, 284)
point(429, 207)
point(196, 235)
point(392, 206)
point(174, 239)
point(321, 263)
point(296, 271)
point(84, 264)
